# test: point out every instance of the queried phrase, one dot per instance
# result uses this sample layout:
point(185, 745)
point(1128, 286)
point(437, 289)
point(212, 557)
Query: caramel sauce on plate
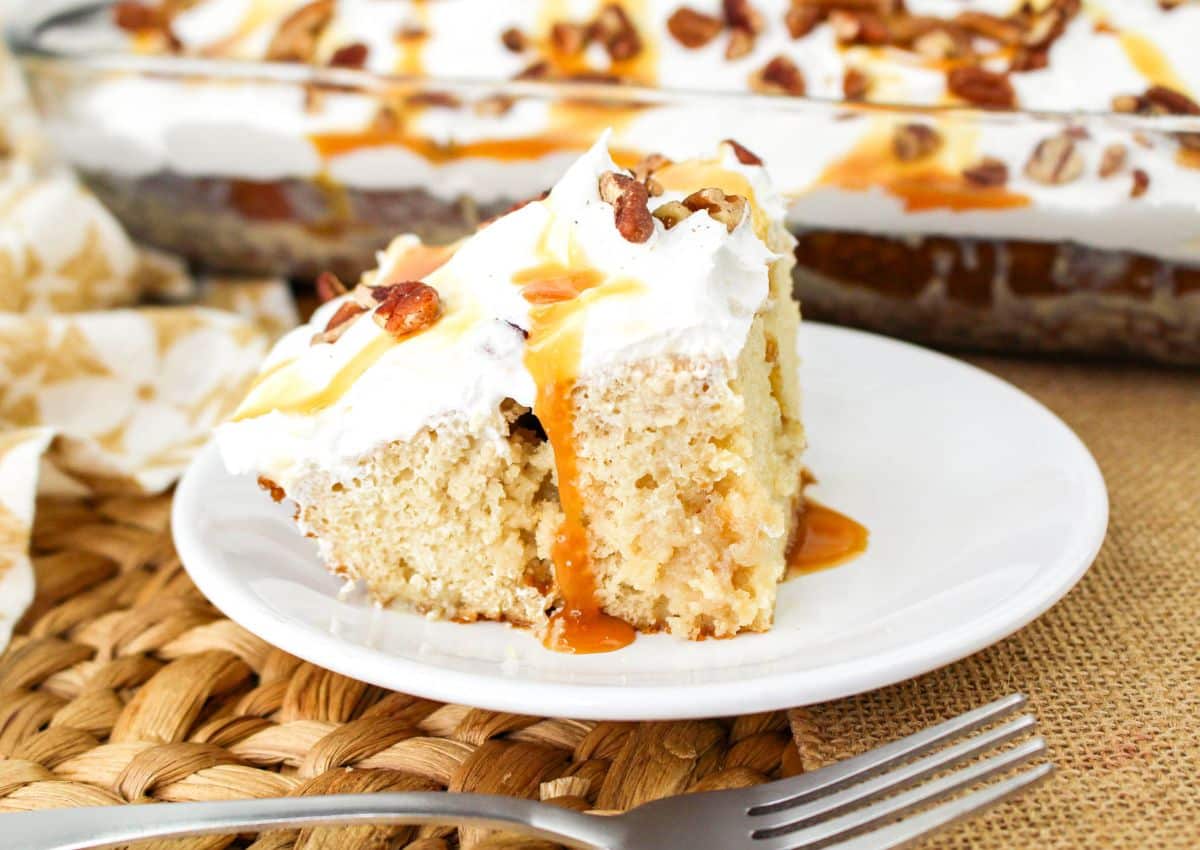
point(925, 184)
point(823, 538)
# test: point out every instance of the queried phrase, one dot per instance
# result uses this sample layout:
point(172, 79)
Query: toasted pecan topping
point(329, 287)
point(741, 42)
point(859, 27)
point(671, 213)
point(406, 307)
point(1141, 183)
point(514, 40)
point(339, 322)
point(994, 27)
point(727, 209)
point(779, 76)
point(297, 36)
point(630, 200)
point(744, 155)
point(568, 37)
point(135, 17)
point(649, 164)
point(981, 87)
point(986, 173)
point(942, 43)
point(1113, 159)
point(349, 56)
point(911, 142)
point(693, 29)
point(741, 15)
point(613, 28)
point(802, 18)
point(855, 84)
point(1055, 161)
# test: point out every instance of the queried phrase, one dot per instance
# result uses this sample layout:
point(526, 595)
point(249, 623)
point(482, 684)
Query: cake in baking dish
point(583, 419)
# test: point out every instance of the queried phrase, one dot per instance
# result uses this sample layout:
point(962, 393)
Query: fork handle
point(107, 826)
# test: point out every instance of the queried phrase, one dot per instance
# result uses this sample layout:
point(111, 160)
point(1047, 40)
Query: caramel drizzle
point(923, 185)
point(559, 295)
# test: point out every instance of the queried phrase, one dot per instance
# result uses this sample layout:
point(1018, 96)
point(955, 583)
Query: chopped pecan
point(1113, 159)
point(349, 56)
point(539, 70)
point(744, 155)
point(1170, 101)
point(1055, 161)
point(613, 28)
point(859, 27)
point(1029, 59)
point(741, 42)
point(298, 33)
point(942, 43)
point(911, 142)
point(981, 87)
point(569, 38)
point(1002, 30)
point(493, 106)
point(407, 307)
point(693, 29)
point(339, 322)
point(629, 199)
point(1126, 103)
point(986, 173)
point(515, 40)
point(802, 18)
point(855, 84)
point(779, 76)
point(134, 17)
point(741, 15)
point(329, 287)
point(727, 209)
point(671, 213)
point(1141, 183)
point(649, 164)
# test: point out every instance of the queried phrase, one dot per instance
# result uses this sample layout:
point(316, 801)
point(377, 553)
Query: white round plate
point(983, 507)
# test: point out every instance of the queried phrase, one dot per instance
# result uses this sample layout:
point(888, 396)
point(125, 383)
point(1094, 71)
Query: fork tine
point(892, 780)
point(890, 807)
point(788, 792)
point(904, 832)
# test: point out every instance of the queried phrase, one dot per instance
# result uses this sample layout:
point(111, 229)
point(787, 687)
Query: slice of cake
point(584, 419)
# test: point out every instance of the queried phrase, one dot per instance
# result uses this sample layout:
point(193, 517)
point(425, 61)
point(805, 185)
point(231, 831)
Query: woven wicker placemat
point(124, 685)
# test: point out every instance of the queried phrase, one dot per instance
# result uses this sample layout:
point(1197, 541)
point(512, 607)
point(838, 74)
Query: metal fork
point(856, 804)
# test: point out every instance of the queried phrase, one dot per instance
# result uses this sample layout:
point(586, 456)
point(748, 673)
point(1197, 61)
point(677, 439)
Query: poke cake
point(583, 419)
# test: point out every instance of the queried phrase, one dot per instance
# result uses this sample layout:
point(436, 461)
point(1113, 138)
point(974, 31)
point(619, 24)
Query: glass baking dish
point(1020, 231)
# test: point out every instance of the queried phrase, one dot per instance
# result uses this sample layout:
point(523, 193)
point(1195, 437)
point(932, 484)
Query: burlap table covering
point(123, 684)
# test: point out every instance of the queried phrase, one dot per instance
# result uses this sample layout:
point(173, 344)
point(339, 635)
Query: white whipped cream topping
point(696, 289)
point(139, 127)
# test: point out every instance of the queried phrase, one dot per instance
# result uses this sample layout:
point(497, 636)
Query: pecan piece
point(802, 18)
point(629, 199)
point(727, 209)
point(407, 307)
point(741, 15)
point(349, 56)
point(1002, 30)
point(568, 38)
point(298, 33)
point(644, 171)
point(613, 28)
point(514, 40)
point(1055, 161)
point(988, 172)
point(1141, 183)
point(1113, 159)
point(1165, 99)
point(693, 29)
point(981, 87)
point(741, 42)
point(911, 142)
point(779, 76)
point(132, 16)
point(339, 322)
point(329, 287)
point(671, 213)
point(855, 84)
point(744, 155)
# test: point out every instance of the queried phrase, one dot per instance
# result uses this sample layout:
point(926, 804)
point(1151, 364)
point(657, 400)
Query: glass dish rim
point(24, 27)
